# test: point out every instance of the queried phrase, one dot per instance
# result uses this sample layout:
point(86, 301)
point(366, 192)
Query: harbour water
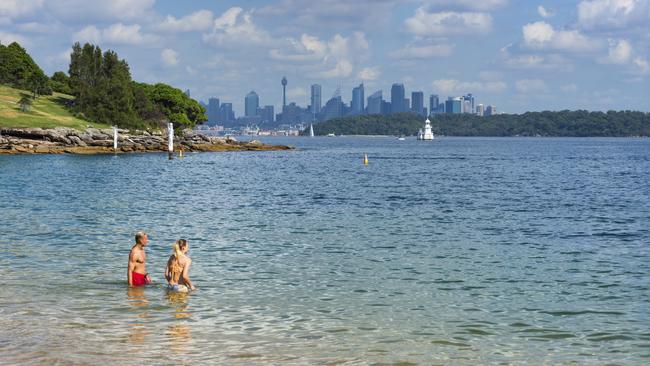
point(458, 251)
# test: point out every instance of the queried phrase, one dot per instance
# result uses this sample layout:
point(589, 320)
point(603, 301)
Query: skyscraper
point(433, 103)
point(453, 105)
point(469, 106)
point(213, 110)
point(358, 99)
point(315, 98)
point(251, 103)
point(397, 98)
point(374, 103)
point(480, 110)
point(417, 102)
point(267, 114)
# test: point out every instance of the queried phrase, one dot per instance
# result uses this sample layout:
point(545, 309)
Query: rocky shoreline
point(100, 141)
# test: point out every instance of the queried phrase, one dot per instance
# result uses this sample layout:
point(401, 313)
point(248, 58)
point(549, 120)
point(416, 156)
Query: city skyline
point(546, 55)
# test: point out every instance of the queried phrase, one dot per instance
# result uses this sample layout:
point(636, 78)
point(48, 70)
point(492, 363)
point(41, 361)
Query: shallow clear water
point(459, 251)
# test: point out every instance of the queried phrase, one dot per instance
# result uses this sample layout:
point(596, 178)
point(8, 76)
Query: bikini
point(176, 269)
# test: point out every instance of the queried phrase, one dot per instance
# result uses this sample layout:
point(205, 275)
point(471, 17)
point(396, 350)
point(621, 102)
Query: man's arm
point(130, 268)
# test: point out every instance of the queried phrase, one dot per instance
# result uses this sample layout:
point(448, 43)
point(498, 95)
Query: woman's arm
point(186, 274)
point(168, 275)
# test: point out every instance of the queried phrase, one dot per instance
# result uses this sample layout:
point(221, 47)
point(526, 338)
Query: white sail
point(311, 130)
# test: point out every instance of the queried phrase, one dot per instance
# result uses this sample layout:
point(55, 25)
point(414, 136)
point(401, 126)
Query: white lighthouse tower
point(427, 134)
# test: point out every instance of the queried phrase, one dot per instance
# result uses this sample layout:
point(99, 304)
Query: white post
point(170, 130)
point(115, 138)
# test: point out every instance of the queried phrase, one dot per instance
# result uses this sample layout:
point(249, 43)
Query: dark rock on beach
point(100, 141)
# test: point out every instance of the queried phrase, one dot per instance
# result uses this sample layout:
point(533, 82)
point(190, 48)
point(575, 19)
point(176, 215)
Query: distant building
point(213, 111)
point(386, 108)
point(333, 109)
point(468, 103)
point(187, 93)
point(294, 114)
point(316, 99)
point(453, 105)
point(266, 114)
point(251, 103)
point(357, 100)
point(397, 101)
point(490, 110)
point(480, 110)
point(226, 114)
point(374, 103)
point(433, 103)
point(417, 102)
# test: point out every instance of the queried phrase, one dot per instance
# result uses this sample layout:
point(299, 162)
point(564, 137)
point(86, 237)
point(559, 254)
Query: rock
point(76, 140)
point(103, 143)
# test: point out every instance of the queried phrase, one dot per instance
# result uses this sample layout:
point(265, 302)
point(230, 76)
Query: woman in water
point(177, 271)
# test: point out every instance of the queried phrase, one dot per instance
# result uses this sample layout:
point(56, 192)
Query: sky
point(516, 55)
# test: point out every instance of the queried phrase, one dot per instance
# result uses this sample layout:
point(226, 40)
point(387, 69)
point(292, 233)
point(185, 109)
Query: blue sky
point(517, 55)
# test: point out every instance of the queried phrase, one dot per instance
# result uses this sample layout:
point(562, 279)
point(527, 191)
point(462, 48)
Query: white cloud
point(569, 88)
point(490, 75)
point(541, 35)
point(484, 5)
point(453, 86)
point(18, 8)
point(328, 59)
point(88, 34)
point(447, 23)
point(85, 10)
point(34, 27)
point(423, 52)
point(547, 61)
point(309, 48)
point(235, 27)
point(531, 86)
point(343, 68)
point(642, 65)
point(620, 52)
point(116, 34)
point(543, 12)
point(609, 14)
point(337, 14)
point(7, 38)
point(197, 21)
point(369, 73)
point(123, 34)
point(296, 92)
point(169, 57)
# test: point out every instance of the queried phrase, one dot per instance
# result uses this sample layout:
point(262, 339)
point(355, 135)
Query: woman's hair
point(178, 246)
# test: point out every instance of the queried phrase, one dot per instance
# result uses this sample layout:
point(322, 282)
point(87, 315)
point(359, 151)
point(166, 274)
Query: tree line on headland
point(103, 89)
point(565, 123)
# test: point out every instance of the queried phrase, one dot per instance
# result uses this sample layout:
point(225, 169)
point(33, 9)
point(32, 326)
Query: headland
point(62, 140)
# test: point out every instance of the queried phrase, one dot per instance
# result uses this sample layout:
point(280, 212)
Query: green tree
point(19, 70)
point(60, 83)
point(25, 102)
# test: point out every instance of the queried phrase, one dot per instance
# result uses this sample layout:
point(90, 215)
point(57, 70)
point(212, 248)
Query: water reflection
point(179, 332)
point(137, 299)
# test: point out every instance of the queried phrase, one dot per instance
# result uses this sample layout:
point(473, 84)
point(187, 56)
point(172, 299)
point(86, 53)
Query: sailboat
point(311, 130)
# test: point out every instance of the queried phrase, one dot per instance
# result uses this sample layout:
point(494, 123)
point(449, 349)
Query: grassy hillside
point(45, 112)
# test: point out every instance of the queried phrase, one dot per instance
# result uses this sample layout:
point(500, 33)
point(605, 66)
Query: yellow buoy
point(365, 159)
point(180, 153)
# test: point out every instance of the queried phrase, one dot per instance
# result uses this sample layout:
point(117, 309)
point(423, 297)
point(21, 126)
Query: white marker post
point(115, 139)
point(170, 130)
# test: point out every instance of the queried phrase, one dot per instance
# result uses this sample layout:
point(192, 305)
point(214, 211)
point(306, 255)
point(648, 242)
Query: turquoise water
point(461, 251)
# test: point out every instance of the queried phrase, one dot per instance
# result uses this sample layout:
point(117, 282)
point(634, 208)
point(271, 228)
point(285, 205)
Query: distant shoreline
point(15, 141)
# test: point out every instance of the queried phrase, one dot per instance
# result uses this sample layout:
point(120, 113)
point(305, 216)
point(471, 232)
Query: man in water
point(137, 271)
